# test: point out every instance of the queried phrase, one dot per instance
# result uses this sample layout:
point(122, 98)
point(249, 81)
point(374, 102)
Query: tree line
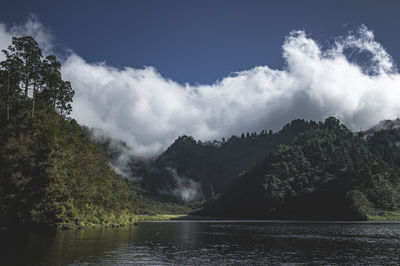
point(31, 82)
point(51, 174)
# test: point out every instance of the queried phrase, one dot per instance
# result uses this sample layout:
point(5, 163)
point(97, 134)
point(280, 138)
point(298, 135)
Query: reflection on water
point(215, 242)
point(61, 248)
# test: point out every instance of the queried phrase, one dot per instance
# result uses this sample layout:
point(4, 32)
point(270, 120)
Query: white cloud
point(184, 189)
point(148, 111)
point(32, 27)
point(5, 39)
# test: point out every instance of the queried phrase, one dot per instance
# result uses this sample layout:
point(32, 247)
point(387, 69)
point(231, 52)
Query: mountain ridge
point(374, 153)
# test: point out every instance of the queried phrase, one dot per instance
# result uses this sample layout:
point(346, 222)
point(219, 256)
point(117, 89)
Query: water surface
point(210, 242)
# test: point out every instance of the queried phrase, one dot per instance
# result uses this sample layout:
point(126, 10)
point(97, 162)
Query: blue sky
point(200, 41)
point(147, 72)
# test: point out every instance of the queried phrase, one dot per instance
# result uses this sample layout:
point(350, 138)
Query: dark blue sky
point(200, 41)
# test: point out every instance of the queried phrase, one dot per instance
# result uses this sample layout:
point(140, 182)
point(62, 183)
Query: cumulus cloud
point(148, 111)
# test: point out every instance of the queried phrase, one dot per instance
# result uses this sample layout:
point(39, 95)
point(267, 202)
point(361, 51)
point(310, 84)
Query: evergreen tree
point(51, 174)
point(28, 78)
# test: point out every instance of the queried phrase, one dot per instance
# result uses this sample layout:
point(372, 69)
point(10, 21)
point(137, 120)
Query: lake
point(210, 242)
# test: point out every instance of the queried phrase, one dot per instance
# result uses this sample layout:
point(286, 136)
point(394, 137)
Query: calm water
point(216, 242)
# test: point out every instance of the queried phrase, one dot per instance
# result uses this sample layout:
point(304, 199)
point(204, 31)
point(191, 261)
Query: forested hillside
point(213, 165)
point(310, 170)
point(326, 172)
point(307, 170)
point(51, 174)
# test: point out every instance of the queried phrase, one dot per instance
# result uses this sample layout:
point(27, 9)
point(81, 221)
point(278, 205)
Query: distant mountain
point(325, 172)
point(307, 170)
point(383, 125)
point(384, 141)
point(210, 168)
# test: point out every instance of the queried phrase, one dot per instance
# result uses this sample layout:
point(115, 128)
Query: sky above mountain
point(199, 41)
point(149, 71)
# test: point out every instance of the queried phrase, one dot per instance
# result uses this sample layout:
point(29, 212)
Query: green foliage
point(30, 82)
point(51, 174)
point(384, 216)
point(359, 204)
point(161, 217)
point(149, 206)
point(215, 165)
point(325, 172)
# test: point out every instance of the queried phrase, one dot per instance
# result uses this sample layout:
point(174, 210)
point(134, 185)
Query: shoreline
point(268, 221)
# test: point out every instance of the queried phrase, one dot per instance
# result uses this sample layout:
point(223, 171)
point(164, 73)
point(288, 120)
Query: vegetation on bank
point(160, 217)
point(384, 216)
point(148, 207)
point(51, 174)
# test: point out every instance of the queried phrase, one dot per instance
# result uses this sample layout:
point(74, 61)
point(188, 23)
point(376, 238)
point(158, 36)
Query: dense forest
point(51, 173)
point(307, 170)
point(214, 165)
point(55, 173)
point(326, 172)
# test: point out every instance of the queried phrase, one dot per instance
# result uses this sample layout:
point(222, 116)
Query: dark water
point(191, 242)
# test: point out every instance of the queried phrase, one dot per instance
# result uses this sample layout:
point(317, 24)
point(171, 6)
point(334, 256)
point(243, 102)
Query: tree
point(25, 52)
point(25, 71)
point(10, 77)
point(65, 95)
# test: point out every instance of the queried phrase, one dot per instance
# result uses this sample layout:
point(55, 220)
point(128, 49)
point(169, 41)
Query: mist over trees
point(308, 169)
point(53, 174)
point(324, 172)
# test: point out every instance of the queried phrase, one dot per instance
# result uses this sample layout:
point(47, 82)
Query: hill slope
point(208, 168)
point(51, 174)
point(326, 172)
